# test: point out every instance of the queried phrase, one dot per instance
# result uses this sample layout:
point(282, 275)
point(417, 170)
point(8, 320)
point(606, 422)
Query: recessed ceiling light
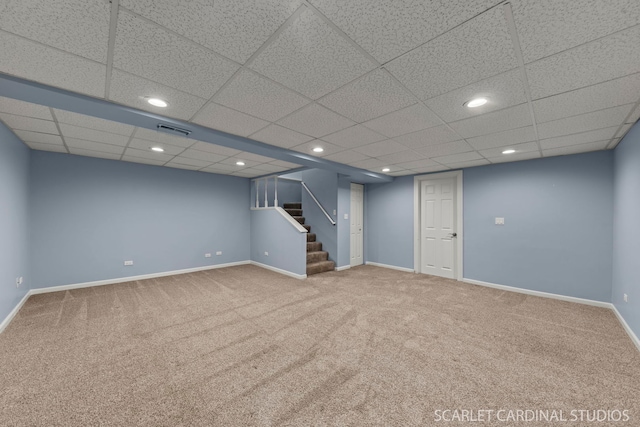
point(508, 151)
point(157, 102)
point(386, 170)
point(476, 102)
point(158, 149)
point(240, 163)
point(318, 150)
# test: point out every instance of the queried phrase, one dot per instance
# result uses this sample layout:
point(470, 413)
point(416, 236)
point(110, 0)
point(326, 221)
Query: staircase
point(317, 259)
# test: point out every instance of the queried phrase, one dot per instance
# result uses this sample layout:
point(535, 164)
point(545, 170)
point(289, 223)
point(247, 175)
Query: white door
point(438, 237)
point(357, 218)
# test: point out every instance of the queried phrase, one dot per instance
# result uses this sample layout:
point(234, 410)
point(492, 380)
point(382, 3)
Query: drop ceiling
point(375, 83)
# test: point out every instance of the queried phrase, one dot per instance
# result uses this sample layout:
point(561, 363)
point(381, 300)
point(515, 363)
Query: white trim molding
point(344, 267)
point(417, 247)
point(627, 328)
point(392, 267)
point(279, 270)
point(13, 312)
point(286, 216)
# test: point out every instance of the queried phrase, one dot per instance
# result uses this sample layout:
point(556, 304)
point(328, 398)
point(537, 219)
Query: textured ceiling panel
point(311, 58)
point(190, 153)
point(149, 51)
point(92, 153)
point(40, 138)
point(476, 50)
point(400, 157)
point(579, 138)
point(548, 27)
point(46, 147)
point(27, 109)
point(595, 62)
point(390, 28)
point(227, 120)
point(584, 122)
point(520, 148)
point(315, 120)
point(28, 123)
point(143, 144)
point(215, 149)
point(516, 157)
point(407, 120)
point(77, 26)
point(380, 148)
point(499, 139)
point(259, 97)
point(445, 149)
point(70, 131)
point(73, 143)
point(372, 96)
point(354, 136)
point(347, 156)
point(469, 164)
point(82, 120)
point(234, 28)
point(457, 158)
point(280, 136)
point(432, 136)
point(308, 147)
point(497, 121)
point(165, 138)
point(574, 149)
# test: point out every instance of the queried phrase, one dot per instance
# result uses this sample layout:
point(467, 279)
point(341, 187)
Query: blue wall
point(272, 233)
point(558, 228)
point(14, 215)
point(388, 222)
point(324, 186)
point(90, 215)
point(626, 231)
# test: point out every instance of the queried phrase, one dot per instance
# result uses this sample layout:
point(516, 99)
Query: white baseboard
point(626, 327)
point(133, 278)
point(344, 267)
point(393, 267)
point(540, 294)
point(13, 312)
point(279, 270)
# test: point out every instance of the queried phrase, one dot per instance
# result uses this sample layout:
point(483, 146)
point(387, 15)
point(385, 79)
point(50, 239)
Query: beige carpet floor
point(243, 346)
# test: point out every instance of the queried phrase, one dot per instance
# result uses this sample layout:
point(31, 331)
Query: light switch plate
point(346, 216)
point(499, 221)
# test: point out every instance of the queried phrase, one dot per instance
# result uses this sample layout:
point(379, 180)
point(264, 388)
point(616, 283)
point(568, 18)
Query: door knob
point(453, 234)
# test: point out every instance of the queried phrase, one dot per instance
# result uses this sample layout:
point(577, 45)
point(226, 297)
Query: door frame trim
point(350, 217)
point(417, 182)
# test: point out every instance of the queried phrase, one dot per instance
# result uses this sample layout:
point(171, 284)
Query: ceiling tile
point(219, 169)
point(445, 149)
point(254, 157)
point(370, 164)
point(130, 90)
point(34, 61)
point(407, 120)
point(28, 123)
point(151, 52)
point(40, 138)
point(92, 153)
point(227, 120)
point(285, 164)
point(187, 161)
point(75, 144)
point(381, 148)
point(70, 131)
point(267, 167)
point(457, 158)
point(315, 120)
point(623, 130)
point(27, 109)
point(311, 58)
point(202, 155)
point(520, 148)
point(46, 147)
point(400, 157)
point(82, 120)
point(419, 164)
point(469, 164)
point(578, 138)
point(501, 91)
point(280, 136)
point(575, 149)
point(496, 121)
point(613, 93)
point(346, 156)
point(146, 154)
point(215, 149)
point(400, 172)
point(143, 144)
point(259, 97)
point(584, 122)
point(430, 169)
point(515, 157)
point(500, 139)
point(369, 97)
point(176, 165)
point(308, 147)
point(387, 29)
point(595, 62)
point(477, 49)
point(548, 27)
point(143, 161)
point(634, 116)
point(354, 136)
point(234, 28)
point(163, 138)
point(432, 136)
point(248, 173)
point(76, 26)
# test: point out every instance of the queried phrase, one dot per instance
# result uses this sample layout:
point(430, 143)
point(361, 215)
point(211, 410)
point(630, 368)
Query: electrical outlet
point(219, 253)
point(128, 263)
point(626, 298)
point(266, 253)
point(19, 281)
point(207, 255)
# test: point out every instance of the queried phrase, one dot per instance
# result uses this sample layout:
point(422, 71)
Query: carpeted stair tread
point(318, 256)
point(292, 206)
point(320, 267)
point(300, 219)
point(314, 246)
point(311, 237)
point(307, 227)
point(294, 212)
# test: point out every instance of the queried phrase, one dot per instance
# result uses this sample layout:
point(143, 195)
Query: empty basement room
point(319, 213)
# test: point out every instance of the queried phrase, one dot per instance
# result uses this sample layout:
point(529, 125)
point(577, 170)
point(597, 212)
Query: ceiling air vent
point(173, 129)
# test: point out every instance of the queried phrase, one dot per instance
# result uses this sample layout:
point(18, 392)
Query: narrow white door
point(438, 237)
point(357, 218)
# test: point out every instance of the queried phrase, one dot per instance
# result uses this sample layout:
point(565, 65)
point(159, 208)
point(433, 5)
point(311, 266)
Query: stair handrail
point(318, 203)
